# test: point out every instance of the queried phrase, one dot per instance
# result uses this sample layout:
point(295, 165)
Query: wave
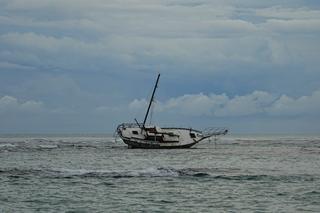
point(268, 178)
point(31, 145)
point(48, 146)
point(7, 145)
point(70, 173)
point(152, 172)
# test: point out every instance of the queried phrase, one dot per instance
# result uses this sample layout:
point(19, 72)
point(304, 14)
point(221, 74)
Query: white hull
point(160, 138)
point(140, 144)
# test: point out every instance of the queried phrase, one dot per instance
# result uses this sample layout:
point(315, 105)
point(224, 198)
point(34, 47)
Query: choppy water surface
point(95, 174)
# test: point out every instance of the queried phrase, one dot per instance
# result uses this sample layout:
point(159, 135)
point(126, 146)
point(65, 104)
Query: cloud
point(251, 104)
point(304, 105)
point(283, 13)
point(58, 92)
point(50, 52)
point(138, 104)
point(256, 103)
point(196, 105)
point(221, 59)
point(297, 26)
point(145, 35)
point(11, 105)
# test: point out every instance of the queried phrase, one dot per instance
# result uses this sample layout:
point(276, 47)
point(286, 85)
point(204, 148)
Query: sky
point(81, 66)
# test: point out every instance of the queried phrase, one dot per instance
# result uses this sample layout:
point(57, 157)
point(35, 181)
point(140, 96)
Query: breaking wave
point(30, 145)
point(70, 173)
point(150, 172)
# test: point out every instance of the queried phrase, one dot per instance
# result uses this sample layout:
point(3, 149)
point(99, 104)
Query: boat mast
point(151, 100)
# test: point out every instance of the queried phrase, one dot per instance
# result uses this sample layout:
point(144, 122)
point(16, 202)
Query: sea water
point(93, 173)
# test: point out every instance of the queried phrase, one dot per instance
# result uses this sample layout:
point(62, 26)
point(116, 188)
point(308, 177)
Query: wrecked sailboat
point(140, 135)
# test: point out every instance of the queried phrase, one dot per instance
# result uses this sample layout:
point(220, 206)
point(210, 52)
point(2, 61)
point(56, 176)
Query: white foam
point(75, 171)
point(156, 172)
point(7, 145)
point(149, 172)
point(48, 146)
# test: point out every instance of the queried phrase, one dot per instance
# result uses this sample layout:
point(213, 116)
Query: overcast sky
point(81, 66)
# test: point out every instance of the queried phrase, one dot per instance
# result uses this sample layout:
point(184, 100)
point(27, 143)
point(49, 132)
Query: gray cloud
point(145, 34)
point(289, 13)
point(11, 105)
point(304, 105)
point(90, 58)
point(256, 103)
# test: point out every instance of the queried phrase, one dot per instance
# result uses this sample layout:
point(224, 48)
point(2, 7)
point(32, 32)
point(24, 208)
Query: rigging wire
point(149, 96)
point(151, 101)
point(152, 108)
point(151, 111)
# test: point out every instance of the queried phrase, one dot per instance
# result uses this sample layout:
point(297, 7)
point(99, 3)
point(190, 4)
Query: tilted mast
point(151, 100)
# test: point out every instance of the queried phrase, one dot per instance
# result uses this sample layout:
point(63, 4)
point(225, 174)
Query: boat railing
point(128, 125)
point(206, 133)
point(182, 128)
point(214, 131)
point(123, 126)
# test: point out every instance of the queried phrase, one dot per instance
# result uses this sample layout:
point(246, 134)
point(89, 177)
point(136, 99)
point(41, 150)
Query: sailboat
point(140, 135)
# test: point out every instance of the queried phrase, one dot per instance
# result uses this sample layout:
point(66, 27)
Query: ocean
point(95, 173)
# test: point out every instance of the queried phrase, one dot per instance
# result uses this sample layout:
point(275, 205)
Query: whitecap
point(48, 146)
point(4, 145)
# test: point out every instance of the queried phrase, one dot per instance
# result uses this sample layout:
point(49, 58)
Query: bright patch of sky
point(85, 66)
